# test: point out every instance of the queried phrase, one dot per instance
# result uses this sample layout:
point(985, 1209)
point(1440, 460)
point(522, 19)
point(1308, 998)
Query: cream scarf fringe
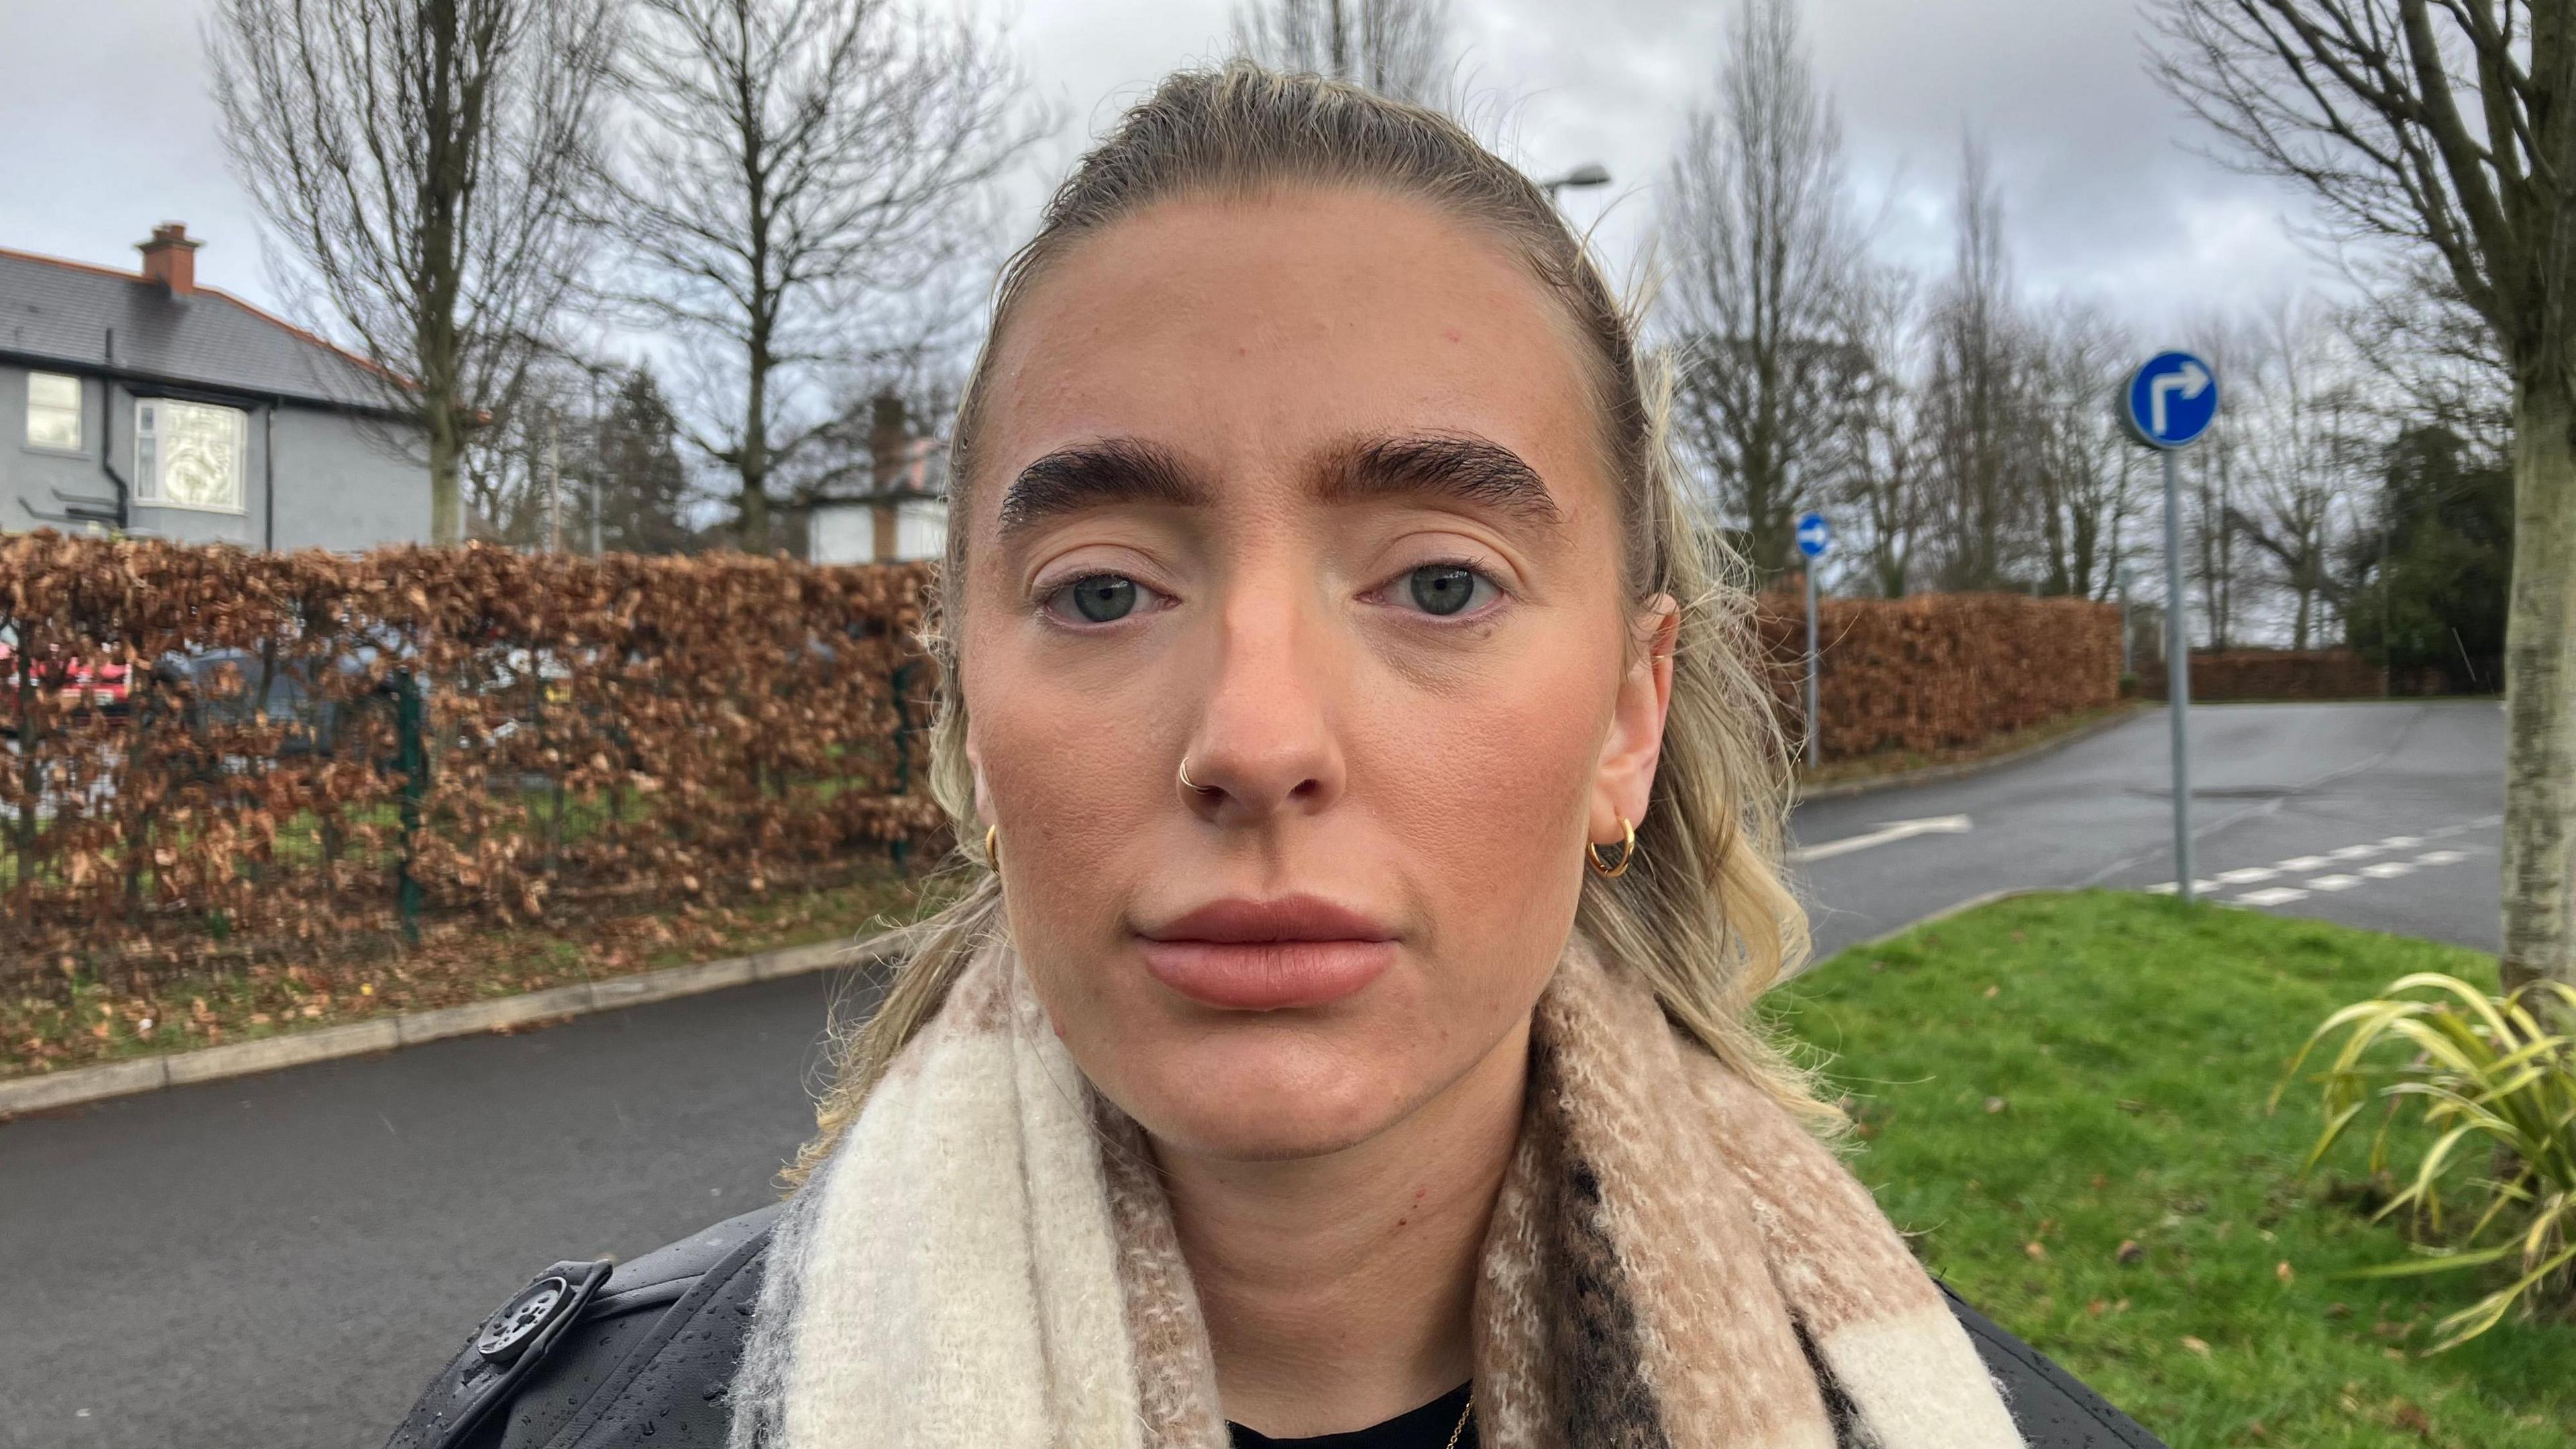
point(987, 1261)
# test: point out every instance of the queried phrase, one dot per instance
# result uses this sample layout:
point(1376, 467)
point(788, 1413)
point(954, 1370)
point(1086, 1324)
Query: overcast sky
point(109, 128)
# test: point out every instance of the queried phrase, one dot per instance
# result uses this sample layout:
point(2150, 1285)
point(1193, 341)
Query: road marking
point(2388, 869)
point(2401, 842)
point(2247, 876)
point(1887, 834)
point(2274, 896)
point(2441, 857)
point(2334, 882)
point(2352, 852)
point(2306, 862)
point(2198, 887)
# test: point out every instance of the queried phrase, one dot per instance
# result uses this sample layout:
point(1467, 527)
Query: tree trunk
point(2540, 690)
point(446, 473)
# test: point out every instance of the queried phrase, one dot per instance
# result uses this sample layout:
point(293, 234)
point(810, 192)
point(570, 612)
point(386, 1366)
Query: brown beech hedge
point(220, 754)
point(1940, 671)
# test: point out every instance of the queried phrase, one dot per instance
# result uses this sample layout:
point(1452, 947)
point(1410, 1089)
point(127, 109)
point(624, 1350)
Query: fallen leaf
point(2195, 1345)
point(2129, 1251)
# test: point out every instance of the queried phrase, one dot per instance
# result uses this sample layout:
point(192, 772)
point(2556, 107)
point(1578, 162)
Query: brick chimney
point(170, 258)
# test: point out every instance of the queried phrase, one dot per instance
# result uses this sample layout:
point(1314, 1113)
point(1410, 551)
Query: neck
point(1339, 1289)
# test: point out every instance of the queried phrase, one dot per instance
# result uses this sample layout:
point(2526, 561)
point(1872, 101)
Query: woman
point(1346, 1039)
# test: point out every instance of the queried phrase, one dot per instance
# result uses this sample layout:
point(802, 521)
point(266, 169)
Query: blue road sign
point(2171, 400)
point(1815, 535)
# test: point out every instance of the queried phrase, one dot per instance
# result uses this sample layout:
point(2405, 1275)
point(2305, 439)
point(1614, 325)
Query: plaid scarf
point(987, 1261)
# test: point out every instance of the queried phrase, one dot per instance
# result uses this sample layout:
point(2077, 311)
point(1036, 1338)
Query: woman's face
point(1308, 491)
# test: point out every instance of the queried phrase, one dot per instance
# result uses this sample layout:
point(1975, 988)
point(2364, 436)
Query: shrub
point(2497, 1072)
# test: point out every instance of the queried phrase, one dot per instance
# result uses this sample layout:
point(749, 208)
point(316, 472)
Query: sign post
point(1815, 535)
point(2169, 402)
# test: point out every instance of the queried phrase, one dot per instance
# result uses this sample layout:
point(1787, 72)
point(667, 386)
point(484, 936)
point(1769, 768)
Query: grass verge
point(84, 1021)
point(2063, 1095)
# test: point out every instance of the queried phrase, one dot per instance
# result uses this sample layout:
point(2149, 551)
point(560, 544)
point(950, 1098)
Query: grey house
point(145, 403)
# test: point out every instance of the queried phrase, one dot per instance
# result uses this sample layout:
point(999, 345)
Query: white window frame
point(79, 410)
point(149, 491)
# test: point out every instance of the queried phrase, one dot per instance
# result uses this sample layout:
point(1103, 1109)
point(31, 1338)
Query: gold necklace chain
point(1462, 1420)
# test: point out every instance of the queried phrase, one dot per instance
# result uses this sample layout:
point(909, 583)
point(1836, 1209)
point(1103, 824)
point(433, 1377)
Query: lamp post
point(1590, 173)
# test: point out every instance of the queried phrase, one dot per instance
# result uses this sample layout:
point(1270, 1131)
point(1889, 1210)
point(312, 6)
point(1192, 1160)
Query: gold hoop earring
point(1627, 854)
point(993, 847)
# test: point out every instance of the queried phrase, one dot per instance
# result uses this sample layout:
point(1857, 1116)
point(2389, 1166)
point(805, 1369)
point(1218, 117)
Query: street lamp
point(1590, 173)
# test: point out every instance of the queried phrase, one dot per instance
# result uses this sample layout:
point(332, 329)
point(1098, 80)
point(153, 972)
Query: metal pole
point(2128, 636)
point(2178, 680)
point(1815, 733)
point(554, 485)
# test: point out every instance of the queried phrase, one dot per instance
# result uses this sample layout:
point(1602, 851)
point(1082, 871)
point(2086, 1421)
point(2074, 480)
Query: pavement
point(284, 1260)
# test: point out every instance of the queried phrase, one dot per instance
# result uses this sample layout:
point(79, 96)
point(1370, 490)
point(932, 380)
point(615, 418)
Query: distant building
point(902, 514)
point(145, 403)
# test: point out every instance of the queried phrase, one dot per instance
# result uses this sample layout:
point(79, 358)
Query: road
point(2270, 784)
point(283, 1260)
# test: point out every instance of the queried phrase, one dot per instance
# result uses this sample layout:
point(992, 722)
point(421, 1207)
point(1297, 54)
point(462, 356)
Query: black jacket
point(587, 1357)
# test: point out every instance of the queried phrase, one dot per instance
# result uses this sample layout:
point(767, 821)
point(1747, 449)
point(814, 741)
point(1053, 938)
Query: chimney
point(170, 258)
point(889, 430)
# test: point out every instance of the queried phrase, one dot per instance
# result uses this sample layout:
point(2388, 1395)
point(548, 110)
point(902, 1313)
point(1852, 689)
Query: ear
point(1625, 779)
point(975, 768)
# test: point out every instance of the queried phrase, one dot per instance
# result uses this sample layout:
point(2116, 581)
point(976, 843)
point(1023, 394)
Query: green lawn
point(2041, 1081)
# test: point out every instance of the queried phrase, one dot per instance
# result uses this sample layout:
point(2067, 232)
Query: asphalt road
point(2275, 788)
point(283, 1260)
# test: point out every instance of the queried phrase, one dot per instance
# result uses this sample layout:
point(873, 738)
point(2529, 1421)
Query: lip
point(1273, 955)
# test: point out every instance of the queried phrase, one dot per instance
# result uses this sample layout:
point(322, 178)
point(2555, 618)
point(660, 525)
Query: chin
point(1263, 1090)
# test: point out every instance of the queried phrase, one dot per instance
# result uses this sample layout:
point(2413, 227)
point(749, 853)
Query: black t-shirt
point(1428, 1427)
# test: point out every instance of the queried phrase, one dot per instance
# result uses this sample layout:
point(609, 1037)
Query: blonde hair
point(1702, 916)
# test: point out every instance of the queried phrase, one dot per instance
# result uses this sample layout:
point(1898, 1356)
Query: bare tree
point(2300, 396)
point(2448, 128)
point(2081, 467)
point(422, 162)
point(794, 171)
point(1765, 269)
point(1879, 454)
point(1398, 48)
point(2431, 356)
point(1975, 384)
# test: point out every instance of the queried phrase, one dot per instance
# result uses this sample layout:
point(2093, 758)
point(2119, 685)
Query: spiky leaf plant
point(2487, 1072)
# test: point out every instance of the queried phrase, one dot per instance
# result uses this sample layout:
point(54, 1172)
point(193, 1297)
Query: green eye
point(1444, 588)
point(1104, 598)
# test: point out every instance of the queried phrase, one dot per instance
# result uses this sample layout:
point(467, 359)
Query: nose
point(1265, 742)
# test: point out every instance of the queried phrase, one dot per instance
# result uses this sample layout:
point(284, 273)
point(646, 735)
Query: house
point(144, 403)
point(902, 515)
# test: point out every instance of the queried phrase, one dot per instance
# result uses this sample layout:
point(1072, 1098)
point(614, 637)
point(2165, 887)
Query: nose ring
point(1187, 783)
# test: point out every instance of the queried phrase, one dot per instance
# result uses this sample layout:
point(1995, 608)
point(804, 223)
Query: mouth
point(1274, 955)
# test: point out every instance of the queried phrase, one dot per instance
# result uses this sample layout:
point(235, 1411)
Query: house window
point(920, 529)
point(189, 455)
point(53, 412)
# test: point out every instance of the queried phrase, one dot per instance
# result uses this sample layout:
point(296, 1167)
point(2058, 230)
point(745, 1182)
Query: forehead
point(1247, 332)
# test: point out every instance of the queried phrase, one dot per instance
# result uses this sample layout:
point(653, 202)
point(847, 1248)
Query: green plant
point(2491, 1071)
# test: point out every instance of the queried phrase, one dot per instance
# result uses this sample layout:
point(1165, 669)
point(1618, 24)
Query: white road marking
point(1887, 834)
point(2441, 857)
point(2388, 869)
point(2352, 852)
point(2198, 887)
point(2334, 882)
point(2400, 842)
point(2306, 862)
point(2247, 876)
point(2273, 896)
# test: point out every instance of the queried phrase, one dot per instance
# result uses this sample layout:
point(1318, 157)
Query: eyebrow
point(1095, 475)
point(1460, 466)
